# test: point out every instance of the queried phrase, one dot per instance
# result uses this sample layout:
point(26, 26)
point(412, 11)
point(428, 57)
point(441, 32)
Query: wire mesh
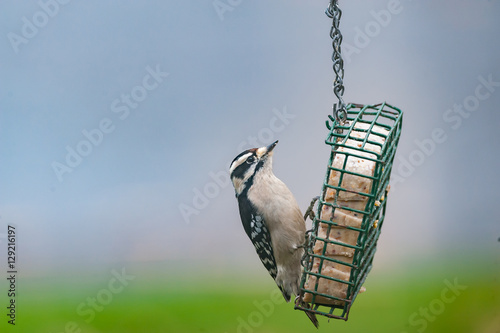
point(351, 209)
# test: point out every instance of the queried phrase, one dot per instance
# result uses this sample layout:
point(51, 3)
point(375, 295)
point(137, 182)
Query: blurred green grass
point(158, 301)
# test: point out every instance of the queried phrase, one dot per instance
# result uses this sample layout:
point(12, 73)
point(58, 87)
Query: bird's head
point(248, 163)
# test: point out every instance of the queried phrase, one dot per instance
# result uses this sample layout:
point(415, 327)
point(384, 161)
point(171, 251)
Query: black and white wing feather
point(256, 229)
point(261, 239)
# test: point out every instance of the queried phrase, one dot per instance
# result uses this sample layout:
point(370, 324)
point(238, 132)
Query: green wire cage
point(351, 209)
point(340, 247)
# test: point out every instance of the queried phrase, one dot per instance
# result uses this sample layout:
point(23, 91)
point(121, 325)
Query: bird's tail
point(299, 301)
point(310, 315)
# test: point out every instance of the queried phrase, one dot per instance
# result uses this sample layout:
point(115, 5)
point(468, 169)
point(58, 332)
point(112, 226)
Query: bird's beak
point(271, 146)
point(266, 150)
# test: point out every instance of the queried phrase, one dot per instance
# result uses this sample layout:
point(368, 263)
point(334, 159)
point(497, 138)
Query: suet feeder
point(351, 209)
point(370, 134)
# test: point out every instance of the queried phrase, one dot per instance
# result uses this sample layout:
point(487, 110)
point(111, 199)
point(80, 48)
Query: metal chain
point(339, 109)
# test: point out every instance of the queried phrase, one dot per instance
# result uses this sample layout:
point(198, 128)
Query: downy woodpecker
point(271, 218)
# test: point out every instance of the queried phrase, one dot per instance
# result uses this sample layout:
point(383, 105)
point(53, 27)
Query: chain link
point(339, 109)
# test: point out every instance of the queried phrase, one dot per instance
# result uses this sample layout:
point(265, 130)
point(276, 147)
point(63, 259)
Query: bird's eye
point(250, 159)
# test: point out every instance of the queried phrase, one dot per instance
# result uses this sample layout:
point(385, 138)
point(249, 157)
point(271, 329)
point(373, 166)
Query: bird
point(271, 218)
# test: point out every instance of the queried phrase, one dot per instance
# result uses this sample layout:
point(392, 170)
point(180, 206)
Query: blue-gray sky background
point(229, 75)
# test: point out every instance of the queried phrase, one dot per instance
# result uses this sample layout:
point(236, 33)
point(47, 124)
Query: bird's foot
point(310, 210)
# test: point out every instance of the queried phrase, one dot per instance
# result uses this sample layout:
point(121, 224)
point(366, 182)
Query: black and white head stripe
point(239, 164)
point(246, 164)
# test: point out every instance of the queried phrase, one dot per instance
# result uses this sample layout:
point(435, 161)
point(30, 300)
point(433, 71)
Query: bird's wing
point(256, 229)
point(261, 239)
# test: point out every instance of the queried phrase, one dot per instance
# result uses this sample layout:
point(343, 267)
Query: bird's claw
point(310, 212)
